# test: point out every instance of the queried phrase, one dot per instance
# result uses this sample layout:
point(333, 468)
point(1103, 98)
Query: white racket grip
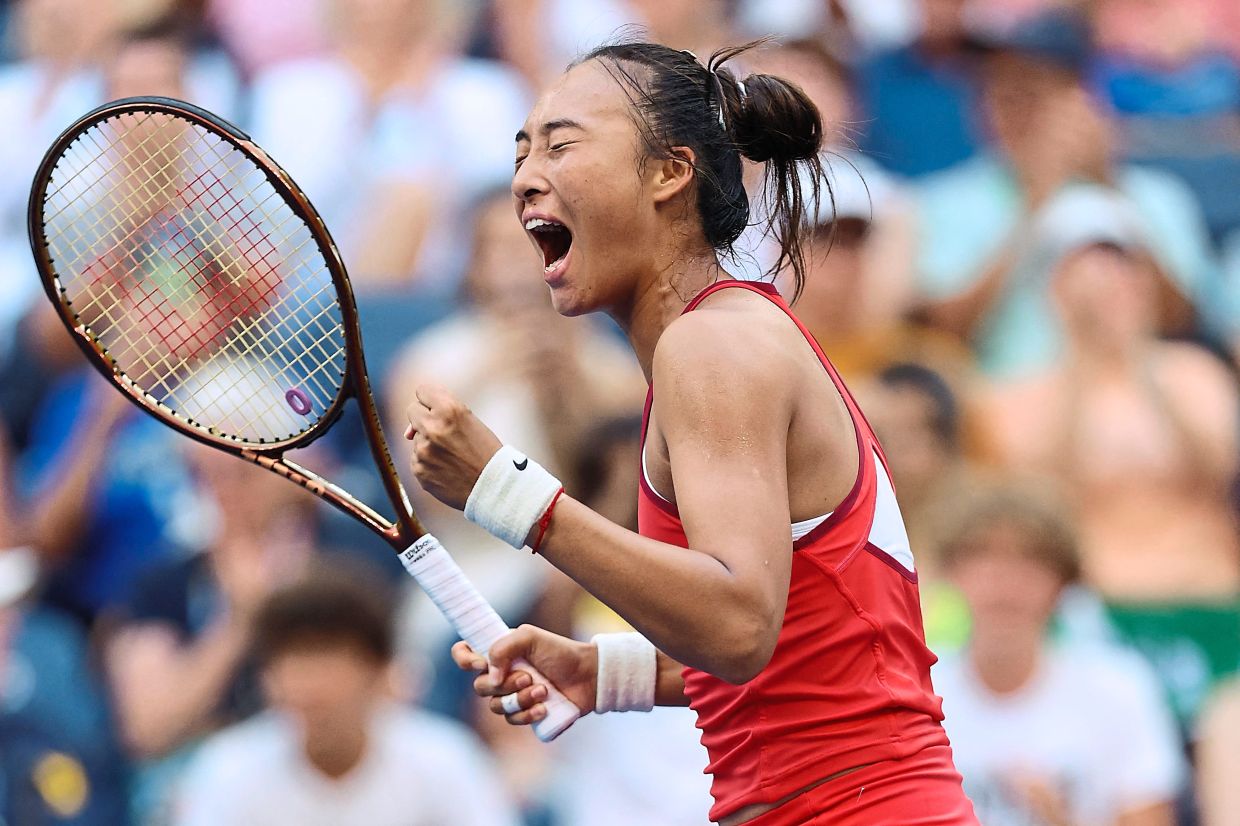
point(477, 622)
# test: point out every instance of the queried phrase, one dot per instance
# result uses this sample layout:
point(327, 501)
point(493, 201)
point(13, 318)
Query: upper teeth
point(535, 223)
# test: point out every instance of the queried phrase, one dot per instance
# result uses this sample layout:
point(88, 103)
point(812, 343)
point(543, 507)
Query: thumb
point(515, 645)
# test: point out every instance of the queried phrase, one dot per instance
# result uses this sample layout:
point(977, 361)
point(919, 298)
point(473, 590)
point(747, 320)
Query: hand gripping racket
point(199, 280)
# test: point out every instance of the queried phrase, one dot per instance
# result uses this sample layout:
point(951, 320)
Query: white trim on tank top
point(799, 529)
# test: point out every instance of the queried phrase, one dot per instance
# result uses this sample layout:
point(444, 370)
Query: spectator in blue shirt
point(979, 252)
point(59, 759)
point(919, 100)
point(108, 490)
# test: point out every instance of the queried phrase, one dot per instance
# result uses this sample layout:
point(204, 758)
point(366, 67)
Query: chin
point(569, 304)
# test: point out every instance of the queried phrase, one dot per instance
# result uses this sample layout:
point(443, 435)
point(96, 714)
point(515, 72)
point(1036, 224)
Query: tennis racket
point(196, 276)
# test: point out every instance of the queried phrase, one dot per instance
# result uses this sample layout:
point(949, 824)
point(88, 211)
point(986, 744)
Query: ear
point(671, 176)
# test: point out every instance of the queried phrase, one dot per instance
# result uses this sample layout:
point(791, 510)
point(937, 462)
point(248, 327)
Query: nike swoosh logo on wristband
point(521, 465)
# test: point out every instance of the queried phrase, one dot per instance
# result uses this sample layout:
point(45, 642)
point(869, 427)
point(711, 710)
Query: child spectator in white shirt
point(1046, 733)
point(336, 749)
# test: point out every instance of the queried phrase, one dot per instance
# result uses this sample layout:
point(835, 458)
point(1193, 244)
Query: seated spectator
point(335, 749)
point(859, 290)
point(860, 285)
point(1218, 758)
point(391, 134)
point(918, 100)
point(867, 201)
point(918, 418)
point(178, 649)
point(1142, 434)
point(75, 56)
point(1135, 427)
point(538, 379)
point(975, 266)
point(158, 58)
point(60, 762)
point(1045, 732)
point(59, 43)
point(1170, 57)
point(103, 482)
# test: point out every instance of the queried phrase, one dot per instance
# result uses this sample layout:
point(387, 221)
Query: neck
point(661, 298)
point(337, 753)
point(1006, 665)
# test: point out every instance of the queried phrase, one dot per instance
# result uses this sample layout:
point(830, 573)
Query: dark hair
point(169, 28)
point(679, 102)
point(945, 420)
point(1029, 509)
point(334, 604)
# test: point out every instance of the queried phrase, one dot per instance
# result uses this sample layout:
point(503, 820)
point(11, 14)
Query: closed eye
point(556, 147)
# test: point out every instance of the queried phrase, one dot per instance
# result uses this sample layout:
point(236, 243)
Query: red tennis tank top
point(849, 682)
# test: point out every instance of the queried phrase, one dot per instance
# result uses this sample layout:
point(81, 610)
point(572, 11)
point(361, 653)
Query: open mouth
point(554, 239)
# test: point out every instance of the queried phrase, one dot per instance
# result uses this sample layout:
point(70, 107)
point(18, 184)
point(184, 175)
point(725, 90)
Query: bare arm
point(961, 314)
point(166, 691)
point(392, 236)
point(669, 687)
point(1158, 814)
point(1197, 398)
point(1218, 757)
point(738, 557)
point(60, 514)
point(570, 665)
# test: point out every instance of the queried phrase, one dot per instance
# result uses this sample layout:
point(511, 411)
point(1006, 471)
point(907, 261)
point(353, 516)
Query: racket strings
point(208, 291)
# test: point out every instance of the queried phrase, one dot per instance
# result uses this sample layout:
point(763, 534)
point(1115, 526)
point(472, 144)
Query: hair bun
point(776, 121)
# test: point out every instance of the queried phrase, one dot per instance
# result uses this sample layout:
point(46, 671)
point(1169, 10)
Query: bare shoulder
point(1189, 367)
point(732, 345)
point(734, 324)
point(1014, 415)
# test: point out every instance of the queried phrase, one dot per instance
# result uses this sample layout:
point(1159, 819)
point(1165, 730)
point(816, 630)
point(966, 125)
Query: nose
point(528, 181)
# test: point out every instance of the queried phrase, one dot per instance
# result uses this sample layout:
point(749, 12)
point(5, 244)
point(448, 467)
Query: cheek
point(605, 196)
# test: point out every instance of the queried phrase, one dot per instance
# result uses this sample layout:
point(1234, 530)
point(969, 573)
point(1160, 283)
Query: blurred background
point(1031, 277)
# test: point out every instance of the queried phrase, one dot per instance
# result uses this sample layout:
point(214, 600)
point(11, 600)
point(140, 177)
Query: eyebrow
point(551, 126)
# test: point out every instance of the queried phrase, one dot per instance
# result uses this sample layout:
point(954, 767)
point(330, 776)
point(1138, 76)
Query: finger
point(431, 396)
point(416, 415)
point(485, 685)
point(516, 702)
point(510, 703)
point(529, 717)
point(467, 659)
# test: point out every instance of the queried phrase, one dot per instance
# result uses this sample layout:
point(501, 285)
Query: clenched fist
point(451, 445)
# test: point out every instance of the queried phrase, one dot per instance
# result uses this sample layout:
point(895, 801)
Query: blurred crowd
point(1030, 275)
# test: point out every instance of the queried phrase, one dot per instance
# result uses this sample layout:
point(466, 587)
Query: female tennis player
point(771, 579)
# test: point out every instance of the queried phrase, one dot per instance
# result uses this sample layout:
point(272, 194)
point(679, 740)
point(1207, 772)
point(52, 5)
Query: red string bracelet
point(545, 520)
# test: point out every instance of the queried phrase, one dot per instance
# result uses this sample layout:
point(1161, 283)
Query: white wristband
point(511, 495)
point(627, 668)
